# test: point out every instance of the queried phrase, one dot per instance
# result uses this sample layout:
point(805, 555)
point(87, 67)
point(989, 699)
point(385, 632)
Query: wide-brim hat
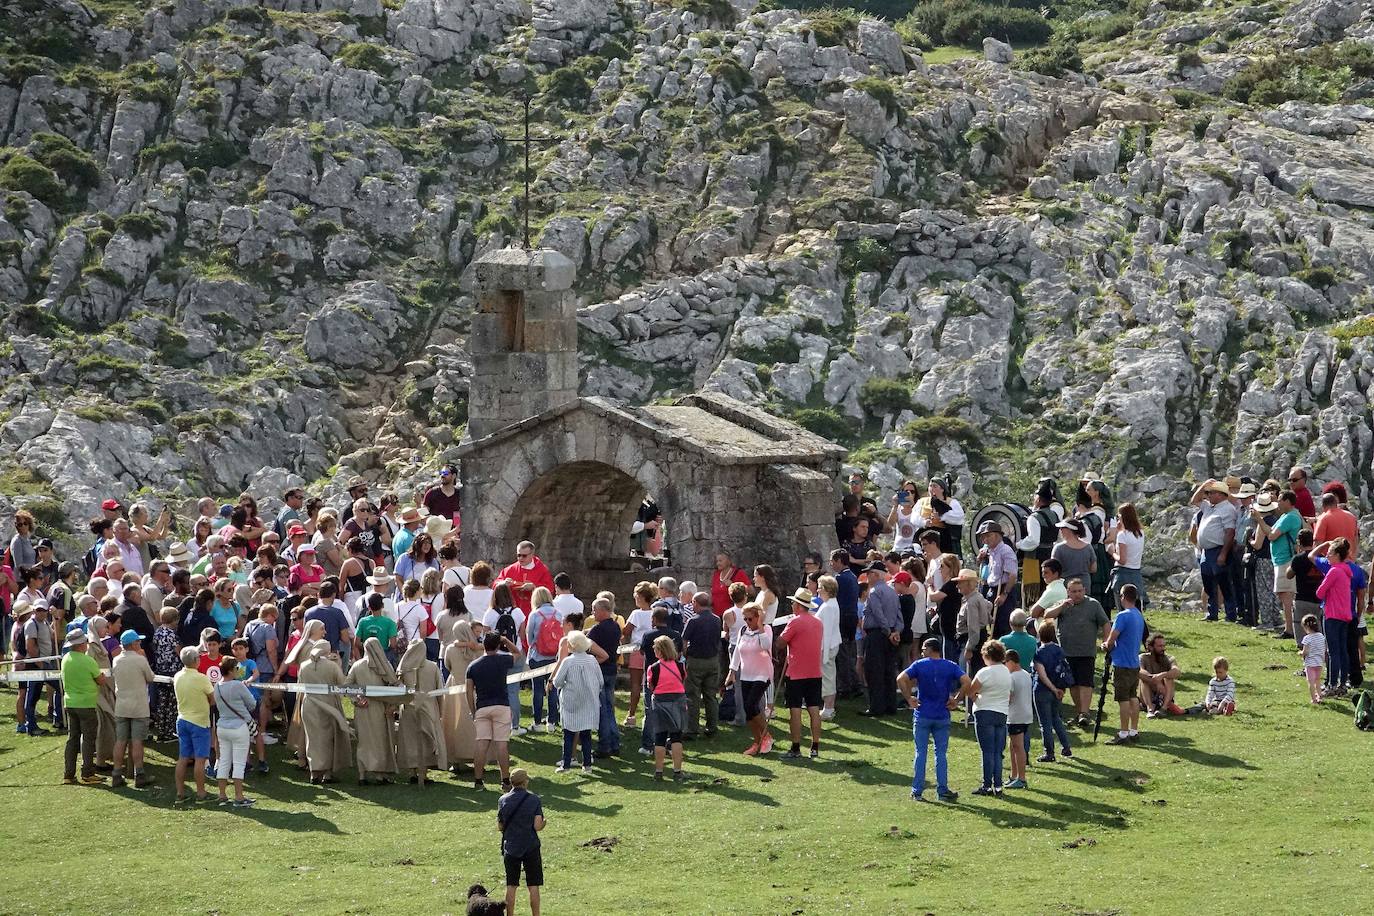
point(803, 597)
point(75, 638)
point(1266, 502)
point(1245, 491)
point(990, 527)
point(1217, 486)
point(178, 554)
point(437, 526)
point(411, 514)
point(967, 575)
point(380, 578)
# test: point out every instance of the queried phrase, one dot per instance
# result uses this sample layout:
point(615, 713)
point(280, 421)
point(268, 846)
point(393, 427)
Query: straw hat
point(380, 578)
point(179, 555)
point(803, 597)
point(1266, 502)
point(967, 575)
point(411, 515)
point(437, 527)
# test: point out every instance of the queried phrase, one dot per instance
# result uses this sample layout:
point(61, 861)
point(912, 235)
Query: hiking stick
point(1102, 695)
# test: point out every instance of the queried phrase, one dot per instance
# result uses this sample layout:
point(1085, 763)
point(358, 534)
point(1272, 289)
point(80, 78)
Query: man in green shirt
point(81, 683)
point(379, 625)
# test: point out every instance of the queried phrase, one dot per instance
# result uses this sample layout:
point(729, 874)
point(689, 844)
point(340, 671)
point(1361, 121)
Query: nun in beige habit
point(372, 715)
point(327, 739)
point(420, 740)
point(295, 730)
point(459, 734)
point(99, 628)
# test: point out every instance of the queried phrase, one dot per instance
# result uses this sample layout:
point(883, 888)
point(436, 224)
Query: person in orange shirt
point(1335, 522)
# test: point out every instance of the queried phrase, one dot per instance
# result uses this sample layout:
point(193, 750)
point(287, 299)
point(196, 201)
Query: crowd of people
point(252, 632)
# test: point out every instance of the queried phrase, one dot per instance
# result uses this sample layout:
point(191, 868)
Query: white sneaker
point(827, 715)
point(645, 752)
point(561, 769)
point(269, 739)
point(517, 732)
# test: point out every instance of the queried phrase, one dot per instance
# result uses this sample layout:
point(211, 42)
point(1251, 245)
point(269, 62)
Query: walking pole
point(1102, 694)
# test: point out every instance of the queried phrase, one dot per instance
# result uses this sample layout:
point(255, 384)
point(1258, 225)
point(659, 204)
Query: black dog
point(479, 904)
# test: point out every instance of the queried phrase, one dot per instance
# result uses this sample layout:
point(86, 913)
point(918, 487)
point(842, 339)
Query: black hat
point(876, 567)
point(44, 544)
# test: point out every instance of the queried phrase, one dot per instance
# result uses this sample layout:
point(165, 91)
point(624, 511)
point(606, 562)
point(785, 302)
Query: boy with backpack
point(1052, 677)
point(543, 633)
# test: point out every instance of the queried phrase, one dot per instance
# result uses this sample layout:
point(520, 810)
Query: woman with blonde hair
point(431, 595)
point(478, 593)
point(326, 540)
point(667, 684)
point(579, 683)
point(420, 739)
point(751, 667)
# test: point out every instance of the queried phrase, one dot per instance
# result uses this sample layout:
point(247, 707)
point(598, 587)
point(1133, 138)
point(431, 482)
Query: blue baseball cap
point(128, 638)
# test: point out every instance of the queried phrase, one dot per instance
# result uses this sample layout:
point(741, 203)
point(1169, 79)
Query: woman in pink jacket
point(1338, 608)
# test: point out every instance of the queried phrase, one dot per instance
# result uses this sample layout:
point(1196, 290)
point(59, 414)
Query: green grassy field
point(1266, 811)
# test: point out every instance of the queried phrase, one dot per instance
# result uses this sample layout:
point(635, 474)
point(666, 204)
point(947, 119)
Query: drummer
point(1041, 533)
point(1000, 580)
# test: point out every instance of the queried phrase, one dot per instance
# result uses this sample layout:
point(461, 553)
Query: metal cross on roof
point(528, 141)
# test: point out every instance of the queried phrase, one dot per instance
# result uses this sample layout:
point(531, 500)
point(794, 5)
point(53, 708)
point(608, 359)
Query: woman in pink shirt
point(1338, 602)
point(752, 666)
point(306, 574)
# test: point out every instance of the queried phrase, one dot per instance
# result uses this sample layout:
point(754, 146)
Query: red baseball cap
point(294, 530)
point(110, 505)
point(902, 578)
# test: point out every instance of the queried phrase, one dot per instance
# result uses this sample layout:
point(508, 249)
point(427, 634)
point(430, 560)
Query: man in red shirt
point(725, 574)
point(803, 637)
point(527, 573)
point(1297, 481)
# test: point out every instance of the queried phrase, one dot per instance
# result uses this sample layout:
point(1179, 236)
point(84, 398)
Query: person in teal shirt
point(1283, 545)
point(377, 624)
point(81, 683)
point(1025, 646)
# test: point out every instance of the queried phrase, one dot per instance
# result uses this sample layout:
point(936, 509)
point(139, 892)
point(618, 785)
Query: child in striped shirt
point(1313, 652)
point(1221, 689)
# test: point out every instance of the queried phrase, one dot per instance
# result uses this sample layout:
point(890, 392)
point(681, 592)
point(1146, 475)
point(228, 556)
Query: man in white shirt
point(564, 601)
point(1216, 538)
point(128, 550)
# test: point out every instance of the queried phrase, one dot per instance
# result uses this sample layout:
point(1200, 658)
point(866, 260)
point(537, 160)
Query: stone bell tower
point(523, 341)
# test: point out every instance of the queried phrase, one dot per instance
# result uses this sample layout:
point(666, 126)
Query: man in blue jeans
point(940, 685)
point(606, 634)
point(1216, 539)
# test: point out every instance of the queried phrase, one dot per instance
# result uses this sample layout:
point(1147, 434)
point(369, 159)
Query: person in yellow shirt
point(193, 692)
point(81, 683)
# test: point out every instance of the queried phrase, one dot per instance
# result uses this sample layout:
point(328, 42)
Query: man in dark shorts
point(1080, 620)
point(520, 816)
point(1123, 644)
point(803, 637)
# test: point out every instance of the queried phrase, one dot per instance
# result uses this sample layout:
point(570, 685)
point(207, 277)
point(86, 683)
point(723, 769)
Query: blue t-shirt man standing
point(1123, 647)
point(939, 682)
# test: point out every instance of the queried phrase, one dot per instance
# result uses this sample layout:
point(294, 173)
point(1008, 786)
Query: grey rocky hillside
point(235, 234)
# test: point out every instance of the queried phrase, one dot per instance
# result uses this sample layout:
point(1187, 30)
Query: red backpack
point(549, 636)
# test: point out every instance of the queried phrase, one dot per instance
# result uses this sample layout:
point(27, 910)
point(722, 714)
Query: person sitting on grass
point(520, 817)
point(1020, 713)
point(667, 679)
point(1221, 689)
point(1159, 675)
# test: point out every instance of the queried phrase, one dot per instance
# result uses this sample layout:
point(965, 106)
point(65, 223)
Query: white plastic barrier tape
point(26, 661)
point(29, 677)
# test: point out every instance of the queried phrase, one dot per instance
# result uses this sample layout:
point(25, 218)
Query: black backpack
point(91, 559)
point(676, 623)
point(1048, 533)
point(505, 626)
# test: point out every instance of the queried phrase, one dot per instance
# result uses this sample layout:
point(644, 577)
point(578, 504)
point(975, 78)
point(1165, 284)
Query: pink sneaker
point(766, 745)
point(751, 750)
